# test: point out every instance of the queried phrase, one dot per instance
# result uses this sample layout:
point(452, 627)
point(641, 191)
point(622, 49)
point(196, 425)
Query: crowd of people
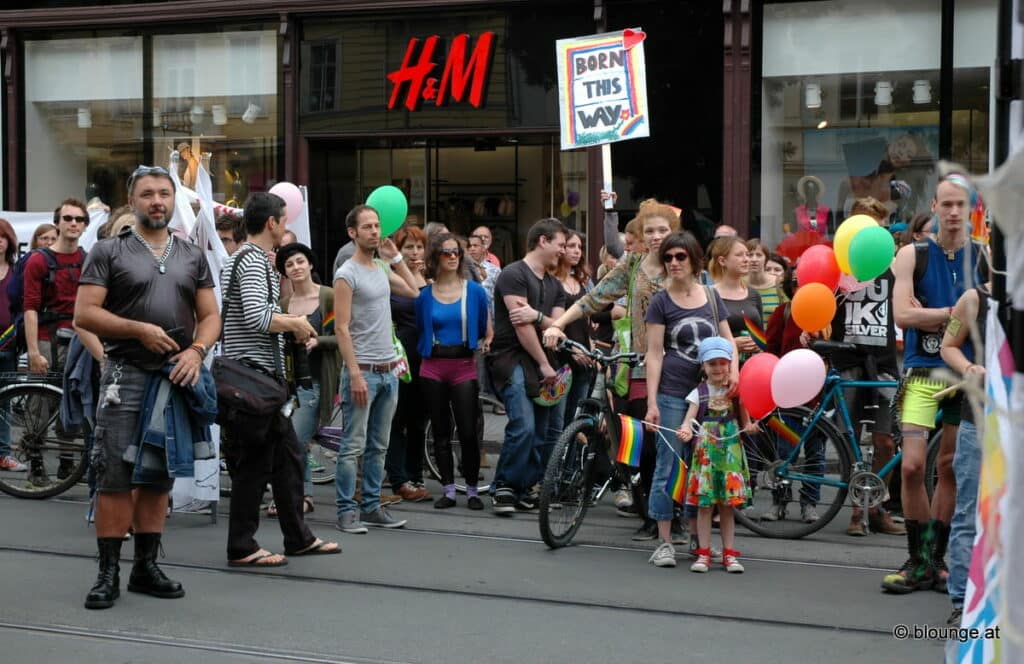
point(409, 329)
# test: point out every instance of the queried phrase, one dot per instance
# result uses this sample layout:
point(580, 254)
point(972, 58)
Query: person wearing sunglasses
point(453, 322)
point(50, 287)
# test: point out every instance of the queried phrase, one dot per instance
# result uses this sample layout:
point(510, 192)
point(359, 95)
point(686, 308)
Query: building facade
point(754, 106)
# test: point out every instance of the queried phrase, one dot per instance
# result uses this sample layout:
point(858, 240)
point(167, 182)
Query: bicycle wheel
point(491, 428)
point(815, 479)
point(56, 459)
point(567, 489)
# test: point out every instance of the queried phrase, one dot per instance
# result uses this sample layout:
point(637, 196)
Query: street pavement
point(455, 586)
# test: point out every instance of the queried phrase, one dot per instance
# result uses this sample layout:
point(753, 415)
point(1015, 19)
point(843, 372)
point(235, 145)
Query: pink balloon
point(798, 378)
point(292, 198)
point(849, 284)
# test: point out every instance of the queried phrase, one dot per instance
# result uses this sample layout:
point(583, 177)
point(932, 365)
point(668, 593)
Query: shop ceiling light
point(251, 113)
point(197, 113)
point(220, 114)
point(158, 117)
point(922, 91)
point(812, 95)
point(883, 93)
point(84, 118)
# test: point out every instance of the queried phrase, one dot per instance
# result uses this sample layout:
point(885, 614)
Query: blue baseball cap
point(714, 348)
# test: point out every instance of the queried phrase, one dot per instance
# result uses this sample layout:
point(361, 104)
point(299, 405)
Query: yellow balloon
point(844, 236)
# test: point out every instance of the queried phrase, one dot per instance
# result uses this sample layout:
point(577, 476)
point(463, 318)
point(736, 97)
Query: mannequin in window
point(188, 162)
point(811, 215)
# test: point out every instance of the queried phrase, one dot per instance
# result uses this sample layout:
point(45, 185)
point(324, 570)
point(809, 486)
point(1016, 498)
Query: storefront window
point(213, 93)
point(83, 118)
point(850, 107)
point(216, 93)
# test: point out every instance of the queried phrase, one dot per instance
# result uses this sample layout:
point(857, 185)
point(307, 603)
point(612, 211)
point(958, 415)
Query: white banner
point(26, 223)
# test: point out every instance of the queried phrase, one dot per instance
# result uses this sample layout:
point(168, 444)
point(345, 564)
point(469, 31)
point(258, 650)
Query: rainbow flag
point(756, 333)
point(631, 440)
point(676, 486)
point(328, 325)
point(7, 338)
point(786, 432)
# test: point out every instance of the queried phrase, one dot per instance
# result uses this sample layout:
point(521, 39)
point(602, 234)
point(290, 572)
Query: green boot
point(916, 573)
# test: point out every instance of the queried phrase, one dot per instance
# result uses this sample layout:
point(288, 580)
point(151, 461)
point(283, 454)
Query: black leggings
point(443, 400)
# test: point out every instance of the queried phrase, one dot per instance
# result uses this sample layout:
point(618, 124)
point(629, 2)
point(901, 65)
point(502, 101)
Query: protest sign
point(602, 88)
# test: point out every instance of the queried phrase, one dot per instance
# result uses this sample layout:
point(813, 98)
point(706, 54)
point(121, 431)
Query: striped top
point(771, 298)
point(248, 314)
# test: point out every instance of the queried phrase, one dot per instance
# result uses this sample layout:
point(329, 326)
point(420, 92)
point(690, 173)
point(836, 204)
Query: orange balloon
point(814, 307)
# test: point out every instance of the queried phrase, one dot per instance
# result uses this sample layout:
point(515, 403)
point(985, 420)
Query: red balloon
point(756, 384)
point(818, 265)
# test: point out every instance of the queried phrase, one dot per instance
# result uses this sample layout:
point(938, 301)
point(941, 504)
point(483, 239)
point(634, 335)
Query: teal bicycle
point(802, 456)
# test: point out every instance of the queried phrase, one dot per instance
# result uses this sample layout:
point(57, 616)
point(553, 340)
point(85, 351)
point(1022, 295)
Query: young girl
point(718, 473)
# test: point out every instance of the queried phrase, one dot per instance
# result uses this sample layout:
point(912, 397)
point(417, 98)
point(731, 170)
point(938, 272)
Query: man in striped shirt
point(257, 450)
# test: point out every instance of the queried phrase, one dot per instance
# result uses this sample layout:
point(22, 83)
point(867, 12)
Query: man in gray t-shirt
point(369, 378)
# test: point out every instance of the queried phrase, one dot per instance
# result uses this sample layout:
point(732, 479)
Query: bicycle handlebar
point(630, 358)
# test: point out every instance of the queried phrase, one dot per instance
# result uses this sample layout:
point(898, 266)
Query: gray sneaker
point(348, 522)
point(381, 519)
point(808, 514)
point(663, 556)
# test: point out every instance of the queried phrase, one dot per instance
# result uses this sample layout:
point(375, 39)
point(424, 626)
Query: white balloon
point(797, 378)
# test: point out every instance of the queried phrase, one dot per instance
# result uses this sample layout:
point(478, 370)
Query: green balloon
point(871, 253)
point(391, 206)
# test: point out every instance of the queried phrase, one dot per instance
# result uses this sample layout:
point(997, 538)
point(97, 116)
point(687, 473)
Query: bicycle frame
point(833, 397)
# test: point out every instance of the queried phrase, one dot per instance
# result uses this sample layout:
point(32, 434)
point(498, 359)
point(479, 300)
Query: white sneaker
point(702, 564)
point(11, 464)
point(731, 562)
point(663, 556)
point(623, 498)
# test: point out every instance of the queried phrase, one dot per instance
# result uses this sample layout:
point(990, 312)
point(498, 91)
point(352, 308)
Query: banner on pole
point(602, 88)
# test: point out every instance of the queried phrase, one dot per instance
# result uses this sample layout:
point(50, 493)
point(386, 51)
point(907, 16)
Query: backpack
point(16, 297)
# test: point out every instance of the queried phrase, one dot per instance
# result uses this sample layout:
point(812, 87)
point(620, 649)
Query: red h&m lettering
point(459, 75)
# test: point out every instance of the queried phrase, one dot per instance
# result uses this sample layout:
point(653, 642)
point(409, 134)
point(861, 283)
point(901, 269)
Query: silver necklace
point(163, 257)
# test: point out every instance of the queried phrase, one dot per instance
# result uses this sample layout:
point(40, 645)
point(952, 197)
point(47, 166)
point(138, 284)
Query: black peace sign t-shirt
point(684, 330)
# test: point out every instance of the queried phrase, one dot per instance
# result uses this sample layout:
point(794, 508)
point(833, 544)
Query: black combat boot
point(939, 569)
point(146, 576)
point(916, 573)
point(108, 582)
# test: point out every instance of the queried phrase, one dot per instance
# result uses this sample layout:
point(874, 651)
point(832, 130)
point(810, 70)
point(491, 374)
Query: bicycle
point(568, 488)
point(832, 466)
point(489, 453)
point(56, 458)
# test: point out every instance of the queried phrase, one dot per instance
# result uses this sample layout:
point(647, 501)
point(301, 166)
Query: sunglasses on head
point(451, 252)
point(143, 171)
point(677, 257)
point(75, 217)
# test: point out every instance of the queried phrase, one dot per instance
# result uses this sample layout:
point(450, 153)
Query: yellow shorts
point(919, 407)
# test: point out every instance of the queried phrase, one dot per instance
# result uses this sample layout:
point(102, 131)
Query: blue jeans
point(526, 448)
point(8, 364)
point(306, 422)
point(967, 470)
point(365, 431)
point(673, 410)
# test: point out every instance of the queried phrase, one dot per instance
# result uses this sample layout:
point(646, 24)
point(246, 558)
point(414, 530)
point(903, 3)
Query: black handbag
point(244, 388)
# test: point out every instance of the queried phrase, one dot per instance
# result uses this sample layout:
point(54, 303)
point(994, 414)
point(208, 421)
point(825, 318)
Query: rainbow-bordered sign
point(602, 88)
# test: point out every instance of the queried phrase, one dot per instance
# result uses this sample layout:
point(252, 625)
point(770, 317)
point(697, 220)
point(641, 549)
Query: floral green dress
point(718, 470)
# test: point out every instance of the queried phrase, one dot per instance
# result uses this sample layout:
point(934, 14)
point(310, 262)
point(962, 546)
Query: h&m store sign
point(460, 76)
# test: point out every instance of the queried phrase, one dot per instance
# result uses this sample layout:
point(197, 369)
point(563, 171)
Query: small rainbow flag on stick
point(631, 440)
point(7, 337)
point(786, 432)
point(756, 333)
point(676, 486)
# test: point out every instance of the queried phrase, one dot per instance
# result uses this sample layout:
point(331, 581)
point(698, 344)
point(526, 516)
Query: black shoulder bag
point(243, 387)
